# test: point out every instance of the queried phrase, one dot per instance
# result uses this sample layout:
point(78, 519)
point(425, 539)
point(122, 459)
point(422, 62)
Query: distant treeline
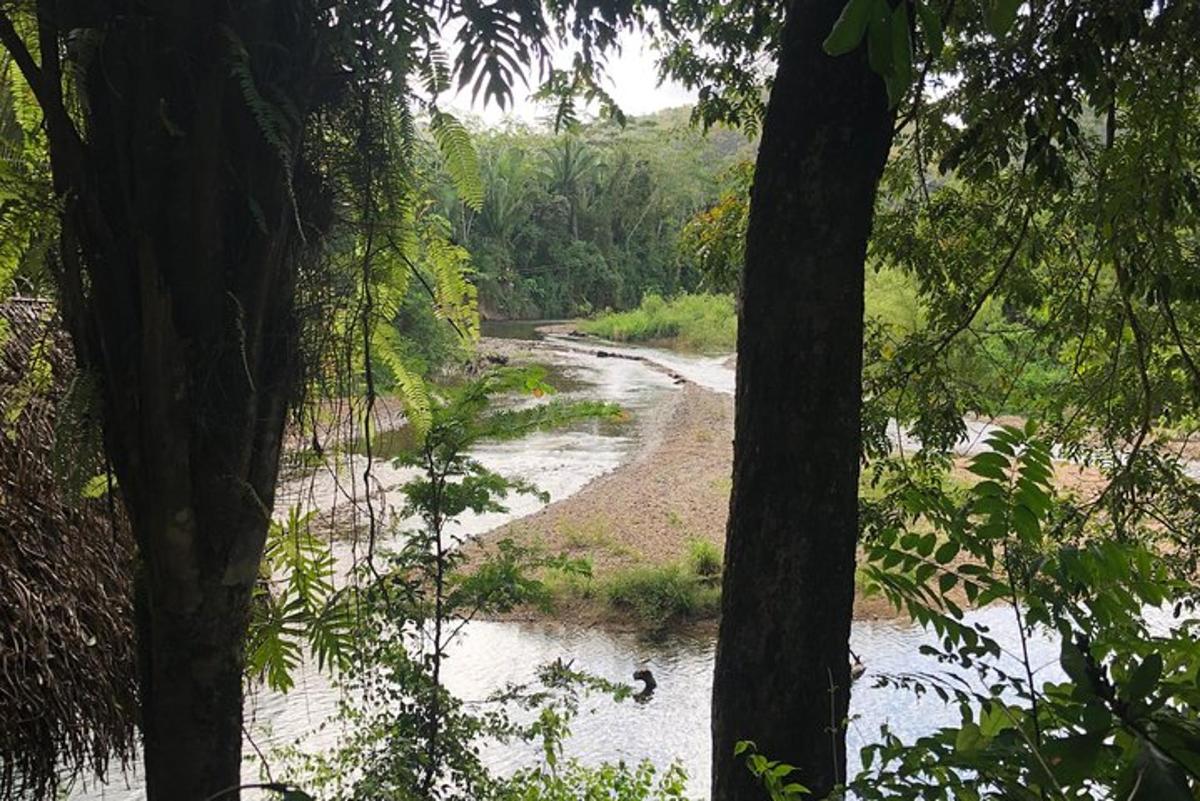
point(589, 219)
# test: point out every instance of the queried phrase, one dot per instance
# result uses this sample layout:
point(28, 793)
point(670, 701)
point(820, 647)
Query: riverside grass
point(708, 322)
point(693, 322)
point(682, 590)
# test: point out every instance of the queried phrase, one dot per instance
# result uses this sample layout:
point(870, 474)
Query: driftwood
point(67, 671)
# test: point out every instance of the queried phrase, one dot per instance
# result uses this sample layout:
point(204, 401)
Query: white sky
point(631, 78)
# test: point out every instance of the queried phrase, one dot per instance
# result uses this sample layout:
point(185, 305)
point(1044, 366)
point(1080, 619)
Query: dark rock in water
point(648, 684)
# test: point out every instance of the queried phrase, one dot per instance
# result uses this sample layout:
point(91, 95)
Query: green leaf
point(990, 506)
point(969, 739)
point(96, 487)
point(946, 552)
point(1001, 14)
point(931, 26)
point(993, 458)
point(1158, 777)
point(1096, 718)
point(1144, 678)
point(988, 470)
point(947, 582)
point(850, 27)
point(1074, 664)
point(901, 77)
point(1074, 758)
point(879, 39)
point(1026, 523)
point(993, 719)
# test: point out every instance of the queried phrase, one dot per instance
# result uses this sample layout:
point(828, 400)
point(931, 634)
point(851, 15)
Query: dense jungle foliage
point(255, 263)
point(591, 217)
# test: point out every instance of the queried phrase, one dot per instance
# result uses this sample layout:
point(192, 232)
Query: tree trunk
point(179, 262)
point(782, 665)
point(191, 690)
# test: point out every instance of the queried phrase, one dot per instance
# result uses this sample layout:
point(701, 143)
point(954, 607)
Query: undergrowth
point(696, 322)
point(656, 595)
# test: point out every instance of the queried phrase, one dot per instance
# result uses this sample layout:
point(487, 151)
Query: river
point(673, 725)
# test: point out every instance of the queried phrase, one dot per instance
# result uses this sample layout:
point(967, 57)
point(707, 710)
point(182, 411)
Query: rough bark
point(782, 666)
point(178, 268)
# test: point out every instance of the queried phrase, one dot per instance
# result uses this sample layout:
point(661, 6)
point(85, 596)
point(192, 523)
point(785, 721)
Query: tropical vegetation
point(255, 231)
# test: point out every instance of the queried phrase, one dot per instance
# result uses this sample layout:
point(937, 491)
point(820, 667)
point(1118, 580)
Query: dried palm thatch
point(67, 668)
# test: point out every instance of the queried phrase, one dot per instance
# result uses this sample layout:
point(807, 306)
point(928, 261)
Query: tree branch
point(66, 147)
point(991, 289)
point(16, 47)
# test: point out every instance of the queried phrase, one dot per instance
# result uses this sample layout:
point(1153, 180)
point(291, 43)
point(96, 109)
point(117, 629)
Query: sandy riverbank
point(647, 512)
point(671, 493)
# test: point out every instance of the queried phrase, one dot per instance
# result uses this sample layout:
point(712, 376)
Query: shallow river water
point(674, 724)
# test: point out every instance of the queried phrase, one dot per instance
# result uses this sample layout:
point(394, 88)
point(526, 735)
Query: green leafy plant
point(773, 775)
point(296, 606)
point(409, 736)
point(704, 559)
point(1125, 723)
point(702, 322)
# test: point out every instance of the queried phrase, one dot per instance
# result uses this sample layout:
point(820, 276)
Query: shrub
point(661, 594)
point(699, 322)
point(704, 559)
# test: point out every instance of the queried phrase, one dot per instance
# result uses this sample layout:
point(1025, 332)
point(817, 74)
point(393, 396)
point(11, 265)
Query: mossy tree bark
point(782, 666)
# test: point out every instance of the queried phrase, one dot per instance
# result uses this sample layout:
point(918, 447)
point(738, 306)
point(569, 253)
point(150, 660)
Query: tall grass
point(709, 322)
point(656, 595)
point(696, 322)
point(997, 362)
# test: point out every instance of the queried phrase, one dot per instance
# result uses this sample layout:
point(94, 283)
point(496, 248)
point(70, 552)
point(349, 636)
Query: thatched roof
point(67, 668)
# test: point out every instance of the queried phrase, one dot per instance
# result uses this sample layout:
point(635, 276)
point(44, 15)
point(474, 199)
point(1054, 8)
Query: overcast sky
point(632, 80)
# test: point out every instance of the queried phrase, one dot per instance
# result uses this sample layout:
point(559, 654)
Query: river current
point(673, 725)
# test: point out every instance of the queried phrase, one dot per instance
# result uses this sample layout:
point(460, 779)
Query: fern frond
point(455, 297)
point(460, 157)
point(388, 347)
point(274, 123)
point(435, 70)
point(76, 453)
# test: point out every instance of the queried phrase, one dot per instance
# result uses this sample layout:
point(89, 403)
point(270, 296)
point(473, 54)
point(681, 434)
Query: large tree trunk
point(191, 690)
point(782, 667)
point(178, 275)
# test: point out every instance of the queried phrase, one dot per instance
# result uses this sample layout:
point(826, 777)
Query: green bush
point(661, 594)
point(620, 782)
point(697, 322)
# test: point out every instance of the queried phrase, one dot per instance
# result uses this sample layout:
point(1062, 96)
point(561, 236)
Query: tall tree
point(179, 256)
point(782, 666)
point(202, 154)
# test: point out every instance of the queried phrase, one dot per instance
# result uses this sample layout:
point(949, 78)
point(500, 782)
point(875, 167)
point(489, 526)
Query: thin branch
point(417, 273)
point(24, 59)
point(1169, 313)
point(997, 280)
